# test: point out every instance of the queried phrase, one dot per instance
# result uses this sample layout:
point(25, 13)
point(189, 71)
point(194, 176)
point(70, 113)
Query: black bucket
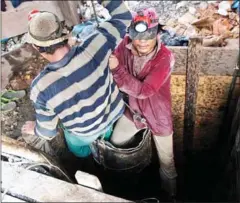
point(133, 157)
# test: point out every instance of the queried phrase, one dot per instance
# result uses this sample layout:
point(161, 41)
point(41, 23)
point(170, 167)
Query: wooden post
point(192, 77)
point(69, 11)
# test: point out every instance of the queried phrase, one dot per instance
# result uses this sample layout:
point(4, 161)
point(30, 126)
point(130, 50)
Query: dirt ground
point(19, 67)
point(12, 122)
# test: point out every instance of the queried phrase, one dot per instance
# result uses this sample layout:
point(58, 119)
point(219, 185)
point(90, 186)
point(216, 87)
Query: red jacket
point(148, 92)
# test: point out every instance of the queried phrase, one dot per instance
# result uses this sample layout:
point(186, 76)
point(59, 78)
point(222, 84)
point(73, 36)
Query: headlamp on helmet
point(142, 23)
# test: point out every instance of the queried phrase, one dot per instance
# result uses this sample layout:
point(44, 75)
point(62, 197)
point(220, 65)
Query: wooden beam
point(192, 78)
point(42, 188)
point(14, 21)
point(220, 60)
point(69, 11)
point(8, 198)
point(180, 54)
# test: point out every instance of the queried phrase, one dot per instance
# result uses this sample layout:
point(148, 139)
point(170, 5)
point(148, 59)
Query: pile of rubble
point(23, 76)
point(20, 67)
point(167, 10)
point(214, 21)
point(12, 121)
point(10, 44)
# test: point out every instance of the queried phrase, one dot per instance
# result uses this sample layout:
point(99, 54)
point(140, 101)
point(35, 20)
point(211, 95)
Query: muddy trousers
point(168, 174)
point(164, 146)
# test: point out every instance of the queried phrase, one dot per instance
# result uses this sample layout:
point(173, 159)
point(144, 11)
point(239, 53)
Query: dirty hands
point(28, 128)
point(113, 62)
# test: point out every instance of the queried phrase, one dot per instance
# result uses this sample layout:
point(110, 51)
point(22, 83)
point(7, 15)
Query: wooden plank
point(21, 149)
point(14, 20)
point(220, 61)
point(43, 188)
point(180, 54)
point(8, 198)
point(193, 69)
point(69, 11)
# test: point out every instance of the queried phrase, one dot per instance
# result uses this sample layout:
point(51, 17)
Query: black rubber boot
point(169, 185)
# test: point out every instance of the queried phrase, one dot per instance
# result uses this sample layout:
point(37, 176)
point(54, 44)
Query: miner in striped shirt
point(76, 88)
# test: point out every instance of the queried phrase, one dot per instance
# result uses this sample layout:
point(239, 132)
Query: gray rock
point(15, 113)
point(181, 4)
point(192, 10)
point(203, 5)
point(166, 9)
point(196, 2)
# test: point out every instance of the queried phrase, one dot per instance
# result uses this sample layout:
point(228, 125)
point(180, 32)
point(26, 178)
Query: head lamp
point(141, 27)
point(142, 23)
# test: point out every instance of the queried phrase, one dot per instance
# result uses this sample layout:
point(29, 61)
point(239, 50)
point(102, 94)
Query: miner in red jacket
point(141, 66)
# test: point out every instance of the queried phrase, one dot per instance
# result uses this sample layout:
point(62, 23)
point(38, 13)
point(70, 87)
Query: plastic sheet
point(171, 39)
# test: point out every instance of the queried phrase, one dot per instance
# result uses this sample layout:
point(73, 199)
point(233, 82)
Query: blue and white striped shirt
point(79, 89)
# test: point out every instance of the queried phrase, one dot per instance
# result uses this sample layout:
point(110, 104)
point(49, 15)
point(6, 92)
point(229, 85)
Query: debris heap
point(214, 21)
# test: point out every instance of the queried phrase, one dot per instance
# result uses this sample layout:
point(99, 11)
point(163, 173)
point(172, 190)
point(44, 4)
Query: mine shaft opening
point(197, 178)
point(147, 183)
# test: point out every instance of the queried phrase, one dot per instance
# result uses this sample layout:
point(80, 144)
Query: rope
point(137, 116)
point(95, 14)
point(152, 199)
point(66, 176)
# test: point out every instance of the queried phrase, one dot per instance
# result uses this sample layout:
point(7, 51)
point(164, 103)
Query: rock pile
point(215, 21)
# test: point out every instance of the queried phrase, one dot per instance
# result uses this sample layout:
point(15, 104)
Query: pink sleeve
point(151, 84)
